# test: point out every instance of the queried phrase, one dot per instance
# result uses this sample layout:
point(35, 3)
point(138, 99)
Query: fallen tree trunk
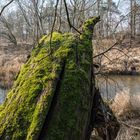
point(54, 94)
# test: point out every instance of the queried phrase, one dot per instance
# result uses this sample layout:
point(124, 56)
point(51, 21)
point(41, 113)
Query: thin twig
point(5, 7)
point(116, 43)
point(67, 13)
point(60, 17)
point(86, 9)
point(55, 15)
point(23, 13)
point(124, 18)
point(128, 125)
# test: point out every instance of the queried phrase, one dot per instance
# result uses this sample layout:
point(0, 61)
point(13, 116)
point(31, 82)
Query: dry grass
point(128, 132)
point(8, 74)
point(114, 61)
point(11, 59)
point(121, 104)
point(127, 110)
point(125, 105)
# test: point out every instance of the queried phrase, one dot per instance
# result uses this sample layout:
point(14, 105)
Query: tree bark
point(53, 97)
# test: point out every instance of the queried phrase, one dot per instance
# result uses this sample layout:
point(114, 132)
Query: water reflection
point(111, 85)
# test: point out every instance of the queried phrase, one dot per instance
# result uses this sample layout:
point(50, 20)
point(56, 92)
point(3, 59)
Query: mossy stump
point(53, 95)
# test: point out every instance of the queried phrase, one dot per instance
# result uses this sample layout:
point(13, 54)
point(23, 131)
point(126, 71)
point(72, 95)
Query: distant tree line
point(27, 20)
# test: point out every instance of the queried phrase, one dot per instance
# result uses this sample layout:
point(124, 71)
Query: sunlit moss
point(23, 113)
point(32, 92)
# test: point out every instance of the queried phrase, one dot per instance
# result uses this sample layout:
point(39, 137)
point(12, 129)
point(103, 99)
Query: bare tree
point(8, 33)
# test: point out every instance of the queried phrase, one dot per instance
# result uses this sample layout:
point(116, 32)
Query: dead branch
point(55, 15)
point(5, 7)
point(67, 13)
point(116, 43)
point(124, 18)
point(128, 125)
point(23, 13)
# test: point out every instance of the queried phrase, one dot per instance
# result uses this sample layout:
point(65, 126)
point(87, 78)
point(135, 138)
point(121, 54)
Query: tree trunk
point(54, 94)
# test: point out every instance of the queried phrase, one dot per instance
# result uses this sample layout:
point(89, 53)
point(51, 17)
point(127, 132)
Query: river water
point(109, 86)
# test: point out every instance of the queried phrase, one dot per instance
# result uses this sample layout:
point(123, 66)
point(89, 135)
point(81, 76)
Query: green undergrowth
point(23, 114)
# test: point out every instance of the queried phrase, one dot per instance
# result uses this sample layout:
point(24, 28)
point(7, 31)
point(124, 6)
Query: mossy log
point(52, 97)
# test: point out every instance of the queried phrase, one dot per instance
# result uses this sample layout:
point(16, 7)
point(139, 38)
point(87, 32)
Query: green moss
point(23, 113)
point(31, 95)
point(88, 29)
point(42, 39)
point(74, 96)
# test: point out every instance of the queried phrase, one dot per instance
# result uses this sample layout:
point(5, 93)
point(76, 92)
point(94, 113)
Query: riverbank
point(122, 59)
point(126, 62)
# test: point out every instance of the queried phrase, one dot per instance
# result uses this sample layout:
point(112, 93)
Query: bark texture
point(52, 98)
